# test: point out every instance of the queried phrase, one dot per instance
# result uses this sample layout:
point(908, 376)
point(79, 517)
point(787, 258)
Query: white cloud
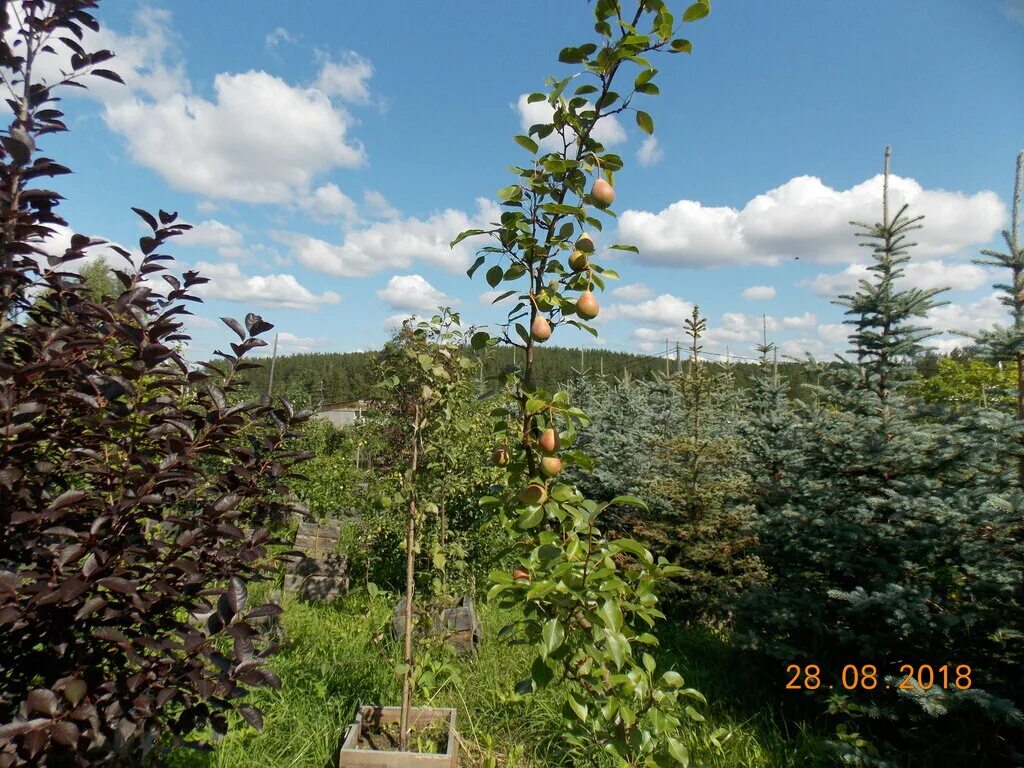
point(395, 321)
point(665, 310)
point(632, 292)
point(608, 131)
point(290, 342)
point(805, 218)
point(346, 79)
point(1013, 9)
point(215, 234)
point(970, 317)
point(759, 293)
point(393, 244)
point(918, 274)
point(328, 202)
point(650, 152)
point(378, 205)
point(413, 292)
point(259, 139)
point(229, 283)
point(806, 320)
point(278, 36)
point(211, 147)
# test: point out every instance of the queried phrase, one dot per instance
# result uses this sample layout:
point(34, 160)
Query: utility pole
point(273, 364)
point(679, 360)
point(666, 358)
point(581, 359)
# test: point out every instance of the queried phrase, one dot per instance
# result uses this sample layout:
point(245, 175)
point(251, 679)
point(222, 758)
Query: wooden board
point(351, 757)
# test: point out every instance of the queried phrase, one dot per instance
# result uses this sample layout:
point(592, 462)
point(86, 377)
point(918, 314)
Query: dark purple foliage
point(135, 493)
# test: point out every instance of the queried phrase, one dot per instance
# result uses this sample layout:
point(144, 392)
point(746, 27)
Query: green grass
point(339, 654)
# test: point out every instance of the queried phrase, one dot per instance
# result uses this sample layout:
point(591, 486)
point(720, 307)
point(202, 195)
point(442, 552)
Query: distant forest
point(330, 377)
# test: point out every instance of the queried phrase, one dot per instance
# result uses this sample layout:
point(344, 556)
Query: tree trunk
point(410, 588)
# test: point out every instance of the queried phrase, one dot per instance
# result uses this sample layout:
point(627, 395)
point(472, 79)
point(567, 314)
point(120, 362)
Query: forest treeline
point(330, 377)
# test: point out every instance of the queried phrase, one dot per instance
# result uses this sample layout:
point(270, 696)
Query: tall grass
point(337, 655)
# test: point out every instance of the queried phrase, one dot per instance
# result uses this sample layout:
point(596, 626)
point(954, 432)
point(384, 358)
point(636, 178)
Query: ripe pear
point(549, 440)
point(602, 193)
point(585, 243)
point(521, 574)
point(534, 493)
point(540, 329)
point(587, 305)
point(577, 261)
point(551, 465)
point(500, 457)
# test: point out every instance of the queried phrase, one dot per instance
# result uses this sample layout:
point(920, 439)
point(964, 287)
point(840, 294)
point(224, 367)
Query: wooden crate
point(317, 572)
point(352, 757)
point(458, 624)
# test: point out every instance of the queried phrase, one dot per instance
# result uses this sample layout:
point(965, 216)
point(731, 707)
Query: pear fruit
point(540, 329)
point(549, 441)
point(587, 305)
point(602, 193)
point(534, 493)
point(585, 243)
point(499, 457)
point(521, 574)
point(551, 465)
point(578, 261)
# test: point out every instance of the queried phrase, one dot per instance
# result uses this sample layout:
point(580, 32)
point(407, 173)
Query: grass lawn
point(339, 654)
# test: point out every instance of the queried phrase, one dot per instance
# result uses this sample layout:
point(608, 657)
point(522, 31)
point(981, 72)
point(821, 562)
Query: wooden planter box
point(420, 717)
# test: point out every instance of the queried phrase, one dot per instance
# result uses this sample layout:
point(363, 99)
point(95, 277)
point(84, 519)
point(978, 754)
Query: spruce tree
point(872, 562)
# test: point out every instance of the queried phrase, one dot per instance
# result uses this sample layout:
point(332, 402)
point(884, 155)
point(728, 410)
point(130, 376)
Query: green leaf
point(494, 276)
point(693, 714)
point(697, 11)
point(628, 500)
point(581, 710)
point(535, 97)
point(611, 614)
point(682, 46)
point(553, 636)
point(480, 339)
point(476, 265)
point(679, 752)
point(644, 121)
point(511, 192)
point(531, 517)
point(672, 679)
point(527, 143)
point(624, 247)
point(502, 296)
point(463, 235)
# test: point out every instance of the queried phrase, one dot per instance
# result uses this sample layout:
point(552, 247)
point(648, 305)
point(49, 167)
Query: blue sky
point(328, 151)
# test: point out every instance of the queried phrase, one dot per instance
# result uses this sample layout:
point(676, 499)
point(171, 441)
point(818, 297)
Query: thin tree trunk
point(410, 590)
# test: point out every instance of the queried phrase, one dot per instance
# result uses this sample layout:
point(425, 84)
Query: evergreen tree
point(872, 561)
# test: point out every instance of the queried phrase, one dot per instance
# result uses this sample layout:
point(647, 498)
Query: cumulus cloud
point(608, 131)
point(209, 146)
point(228, 282)
point(664, 310)
point(806, 320)
point(806, 218)
point(347, 79)
point(258, 139)
point(393, 244)
point(920, 274)
point(632, 292)
point(378, 205)
point(759, 293)
point(328, 203)
point(413, 292)
point(650, 152)
point(215, 234)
